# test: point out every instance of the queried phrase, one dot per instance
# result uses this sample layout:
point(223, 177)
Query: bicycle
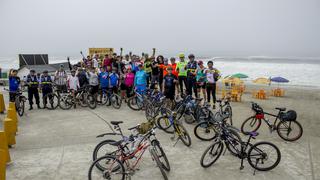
point(82, 97)
point(170, 124)
point(136, 102)
point(19, 101)
point(109, 98)
point(53, 98)
point(256, 154)
point(124, 154)
point(224, 109)
point(286, 126)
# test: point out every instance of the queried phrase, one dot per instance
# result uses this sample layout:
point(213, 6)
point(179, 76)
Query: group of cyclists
point(123, 74)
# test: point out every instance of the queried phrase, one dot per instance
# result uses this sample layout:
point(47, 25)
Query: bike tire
point(99, 147)
point(183, 135)
point(51, 98)
point(163, 123)
point(159, 164)
point(161, 154)
point(228, 110)
point(65, 102)
point(253, 122)
point(133, 103)
point(116, 101)
point(210, 150)
point(119, 167)
point(255, 148)
point(207, 127)
point(91, 101)
point(20, 109)
point(289, 129)
point(189, 118)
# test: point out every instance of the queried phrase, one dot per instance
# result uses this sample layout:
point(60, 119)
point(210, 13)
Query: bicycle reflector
point(259, 116)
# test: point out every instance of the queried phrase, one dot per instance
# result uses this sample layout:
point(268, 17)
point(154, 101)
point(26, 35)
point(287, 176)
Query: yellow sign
point(100, 51)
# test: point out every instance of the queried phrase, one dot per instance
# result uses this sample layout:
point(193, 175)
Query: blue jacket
point(14, 83)
point(114, 79)
point(104, 79)
point(140, 78)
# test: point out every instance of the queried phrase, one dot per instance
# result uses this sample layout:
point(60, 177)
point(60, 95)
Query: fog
point(286, 28)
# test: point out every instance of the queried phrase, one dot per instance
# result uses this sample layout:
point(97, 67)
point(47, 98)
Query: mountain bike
point(136, 102)
point(82, 97)
point(262, 156)
point(52, 98)
point(170, 124)
point(19, 101)
point(288, 128)
point(224, 109)
point(123, 162)
point(110, 98)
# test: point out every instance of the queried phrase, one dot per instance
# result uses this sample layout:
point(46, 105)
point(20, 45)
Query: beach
point(58, 144)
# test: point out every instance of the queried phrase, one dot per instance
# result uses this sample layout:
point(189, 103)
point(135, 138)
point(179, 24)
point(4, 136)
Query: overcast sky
point(204, 27)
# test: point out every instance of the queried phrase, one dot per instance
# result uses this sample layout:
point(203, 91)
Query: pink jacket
point(129, 79)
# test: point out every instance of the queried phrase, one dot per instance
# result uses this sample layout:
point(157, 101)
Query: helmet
point(191, 56)
point(181, 55)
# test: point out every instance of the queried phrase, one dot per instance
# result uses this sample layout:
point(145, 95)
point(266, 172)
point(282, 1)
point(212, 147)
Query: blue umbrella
point(279, 80)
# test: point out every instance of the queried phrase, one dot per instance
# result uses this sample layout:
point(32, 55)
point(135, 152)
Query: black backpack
point(290, 115)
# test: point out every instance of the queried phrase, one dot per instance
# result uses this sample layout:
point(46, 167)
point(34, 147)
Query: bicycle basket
point(145, 127)
point(290, 115)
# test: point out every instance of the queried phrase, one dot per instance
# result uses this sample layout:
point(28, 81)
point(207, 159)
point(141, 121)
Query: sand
point(58, 144)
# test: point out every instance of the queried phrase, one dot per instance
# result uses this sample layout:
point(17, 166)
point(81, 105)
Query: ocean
point(300, 72)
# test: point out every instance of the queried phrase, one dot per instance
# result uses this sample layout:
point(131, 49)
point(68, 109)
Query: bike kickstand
point(241, 166)
point(224, 151)
point(176, 142)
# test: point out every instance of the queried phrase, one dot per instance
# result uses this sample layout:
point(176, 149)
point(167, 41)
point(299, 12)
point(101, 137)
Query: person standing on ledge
point(33, 85)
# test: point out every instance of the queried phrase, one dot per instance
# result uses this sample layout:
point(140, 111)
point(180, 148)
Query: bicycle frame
point(262, 116)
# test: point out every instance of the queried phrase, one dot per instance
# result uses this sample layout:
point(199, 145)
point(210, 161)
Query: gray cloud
point(204, 27)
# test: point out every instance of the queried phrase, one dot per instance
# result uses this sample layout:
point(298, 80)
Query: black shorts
point(201, 85)
point(94, 89)
point(169, 93)
point(123, 87)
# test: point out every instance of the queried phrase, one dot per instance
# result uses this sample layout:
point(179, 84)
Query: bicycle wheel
point(150, 114)
point(164, 123)
point(233, 142)
point(66, 102)
point(211, 154)
point(91, 101)
point(112, 169)
point(161, 155)
point(133, 103)
point(205, 131)
point(250, 125)
point(53, 101)
point(159, 164)
point(20, 105)
point(264, 156)
point(189, 118)
point(103, 98)
point(289, 130)
point(183, 134)
point(228, 111)
point(102, 149)
point(116, 101)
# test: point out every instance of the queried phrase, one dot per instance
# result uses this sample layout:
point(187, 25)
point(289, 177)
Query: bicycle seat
point(116, 122)
point(116, 143)
point(253, 134)
point(280, 109)
point(219, 101)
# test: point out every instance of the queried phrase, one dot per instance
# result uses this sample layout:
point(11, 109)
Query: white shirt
point(95, 63)
point(73, 82)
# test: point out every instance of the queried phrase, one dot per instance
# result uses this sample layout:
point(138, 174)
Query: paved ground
point(58, 145)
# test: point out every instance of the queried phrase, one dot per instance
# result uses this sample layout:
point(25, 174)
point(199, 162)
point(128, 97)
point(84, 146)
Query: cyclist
point(201, 79)
point(169, 85)
point(93, 82)
point(182, 73)
point(147, 65)
point(82, 76)
point(73, 84)
point(212, 76)
point(14, 83)
point(114, 81)
point(61, 79)
point(140, 80)
point(46, 86)
point(104, 81)
point(129, 81)
point(33, 85)
point(191, 75)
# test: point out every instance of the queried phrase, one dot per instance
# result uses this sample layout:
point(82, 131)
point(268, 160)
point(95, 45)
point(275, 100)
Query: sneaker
point(30, 108)
point(38, 105)
point(213, 106)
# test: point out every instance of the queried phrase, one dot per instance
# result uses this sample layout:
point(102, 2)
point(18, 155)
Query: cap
point(181, 55)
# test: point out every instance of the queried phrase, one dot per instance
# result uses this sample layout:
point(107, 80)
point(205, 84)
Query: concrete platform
point(58, 145)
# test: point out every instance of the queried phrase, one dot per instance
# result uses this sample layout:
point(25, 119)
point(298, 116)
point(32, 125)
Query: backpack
point(290, 115)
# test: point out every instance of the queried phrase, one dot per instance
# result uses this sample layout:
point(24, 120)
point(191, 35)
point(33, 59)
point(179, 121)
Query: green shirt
point(181, 68)
point(147, 66)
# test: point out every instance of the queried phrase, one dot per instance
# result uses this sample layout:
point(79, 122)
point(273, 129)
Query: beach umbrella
point(232, 80)
point(279, 80)
point(262, 80)
point(240, 75)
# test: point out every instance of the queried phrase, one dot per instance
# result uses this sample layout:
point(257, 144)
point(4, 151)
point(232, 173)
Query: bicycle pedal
point(241, 167)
